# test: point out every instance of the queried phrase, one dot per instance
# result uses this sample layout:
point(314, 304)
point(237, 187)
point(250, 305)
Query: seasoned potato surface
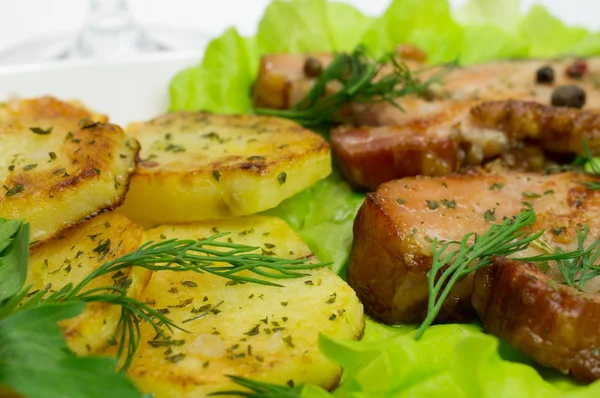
point(58, 165)
point(72, 256)
point(198, 166)
point(262, 332)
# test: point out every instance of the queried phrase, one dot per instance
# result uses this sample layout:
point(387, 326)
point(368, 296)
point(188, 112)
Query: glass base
point(76, 45)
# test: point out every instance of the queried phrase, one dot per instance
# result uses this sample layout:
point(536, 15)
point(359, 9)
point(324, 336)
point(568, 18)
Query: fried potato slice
point(72, 256)
point(23, 111)
point(59, 165)
point(199, 166)
point(262, 332)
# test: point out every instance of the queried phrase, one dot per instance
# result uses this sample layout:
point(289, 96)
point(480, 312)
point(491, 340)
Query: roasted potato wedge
point(59, 166)
point(73, 255)
point(262, 332)
point(198, 166)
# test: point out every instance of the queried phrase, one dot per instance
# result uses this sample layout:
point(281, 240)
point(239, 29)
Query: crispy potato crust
point(59, 166)
point(73, 255)
point(198, 166)
point(261, 332)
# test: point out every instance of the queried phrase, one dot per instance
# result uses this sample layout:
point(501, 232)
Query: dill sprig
point(227, 260)
point(580, 266)
point(588, 161)
point(202, 256)
point(259, 389)
point(448, 267)
point(360, 80)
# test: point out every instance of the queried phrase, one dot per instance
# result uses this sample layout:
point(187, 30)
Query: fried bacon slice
point(394, 230)
point(465, 134)
point(554, 324)
point(475, 114)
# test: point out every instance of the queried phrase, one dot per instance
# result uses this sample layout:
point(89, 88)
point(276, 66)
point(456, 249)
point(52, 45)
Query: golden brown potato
point(57, 166)
point(261, 332)
point(73, 255)
point(199, 166)
point(394, 229)
point(22, 112)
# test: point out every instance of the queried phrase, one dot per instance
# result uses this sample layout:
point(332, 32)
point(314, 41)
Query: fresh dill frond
point(223, 259)
point(259, 389)
point(476, 251)
point(587, 160)
point(360, 80)
point(579, 266)
point(227, 260)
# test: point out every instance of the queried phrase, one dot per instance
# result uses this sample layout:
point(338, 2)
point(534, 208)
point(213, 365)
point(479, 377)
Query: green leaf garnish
point(14, 247)
point(37, 363)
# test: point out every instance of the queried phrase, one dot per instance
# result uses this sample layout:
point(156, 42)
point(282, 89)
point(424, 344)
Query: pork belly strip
point(465, 133)
point(554, 324)
point(391, 252)
point(557, 129)
point(369, 156)
point(281, 83)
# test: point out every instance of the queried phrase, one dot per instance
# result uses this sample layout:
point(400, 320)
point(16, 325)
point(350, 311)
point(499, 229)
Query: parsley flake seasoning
point(497, 186)
point(41, 131)
point(490, 215)
point(432, 204)
point(533, 195)
point(451, 204)
point(254, 331)
point(282, 178)
point(175, 358)
point(103, 248)
point(216, 174)
point(15, 190)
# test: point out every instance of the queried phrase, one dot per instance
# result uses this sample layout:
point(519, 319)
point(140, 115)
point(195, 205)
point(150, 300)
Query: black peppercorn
point(312, 67)
point(545, 75)
point(571, 96)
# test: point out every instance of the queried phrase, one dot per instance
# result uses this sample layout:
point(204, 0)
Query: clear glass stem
point(110, 30)
point(109, 15)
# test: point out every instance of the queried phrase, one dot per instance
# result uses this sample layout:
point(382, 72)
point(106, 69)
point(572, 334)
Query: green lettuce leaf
point(451, 360)
point(504, 14)
point(296, 29)
point(323, 215)
point(547, 36)
point(347, 25)
point(427, 24)
point(228, 69)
